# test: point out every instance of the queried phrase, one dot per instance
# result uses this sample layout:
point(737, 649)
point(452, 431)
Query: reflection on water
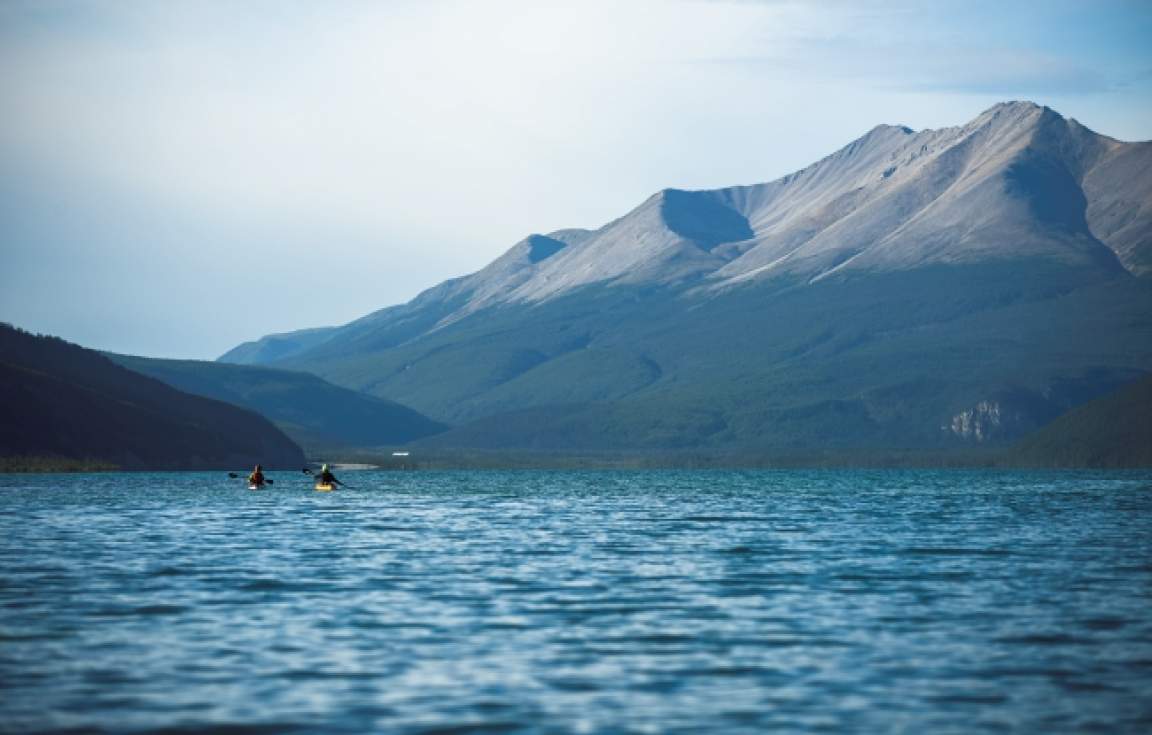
point(578, 602)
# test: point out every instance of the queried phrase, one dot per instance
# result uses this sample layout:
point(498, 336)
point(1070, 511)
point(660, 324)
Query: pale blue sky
point(178, 177)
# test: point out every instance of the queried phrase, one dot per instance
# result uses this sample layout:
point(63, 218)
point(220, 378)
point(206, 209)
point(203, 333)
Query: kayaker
point(256, 479)
point(326, 477)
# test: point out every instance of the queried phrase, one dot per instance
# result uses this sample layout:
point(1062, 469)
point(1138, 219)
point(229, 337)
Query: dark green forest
point(66, 407)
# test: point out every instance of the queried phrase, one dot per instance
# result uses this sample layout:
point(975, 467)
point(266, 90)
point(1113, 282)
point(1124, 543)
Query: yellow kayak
point(325, 487)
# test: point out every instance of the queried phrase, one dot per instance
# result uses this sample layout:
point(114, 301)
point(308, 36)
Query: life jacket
point(256, 478)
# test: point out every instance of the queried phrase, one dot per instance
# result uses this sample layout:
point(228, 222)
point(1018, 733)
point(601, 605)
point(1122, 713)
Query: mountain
point(277, 346)
point(1112, 431)
point(312, 411)
point(63, 402)
point(914, 289)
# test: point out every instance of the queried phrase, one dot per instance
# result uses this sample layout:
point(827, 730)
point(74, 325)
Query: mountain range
point(313, 412)
point(940, 288)
point(66, 406)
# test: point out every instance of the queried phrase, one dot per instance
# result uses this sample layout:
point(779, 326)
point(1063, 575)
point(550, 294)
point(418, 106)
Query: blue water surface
point(557, 602)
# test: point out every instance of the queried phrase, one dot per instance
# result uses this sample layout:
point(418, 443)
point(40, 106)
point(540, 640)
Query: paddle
point(234, 476)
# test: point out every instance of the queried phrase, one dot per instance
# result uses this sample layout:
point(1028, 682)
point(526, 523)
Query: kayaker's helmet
point(259, 468)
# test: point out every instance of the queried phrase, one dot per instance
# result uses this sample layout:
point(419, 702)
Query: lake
point(583, 602)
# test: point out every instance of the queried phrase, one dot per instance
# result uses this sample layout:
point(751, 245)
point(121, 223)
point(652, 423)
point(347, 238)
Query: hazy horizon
point(183, 177)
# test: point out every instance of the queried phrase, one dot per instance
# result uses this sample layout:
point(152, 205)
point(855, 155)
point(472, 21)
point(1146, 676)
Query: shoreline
point(357, 460)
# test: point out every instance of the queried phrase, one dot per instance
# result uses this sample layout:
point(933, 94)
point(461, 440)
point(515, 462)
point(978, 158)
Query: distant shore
point(465, 459)
point(353, 460)
point(35, 465)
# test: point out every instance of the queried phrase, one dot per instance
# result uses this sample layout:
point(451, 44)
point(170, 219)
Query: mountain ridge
point(907, 257)
point(792, 239)
point(313, 412)
point(67, 404)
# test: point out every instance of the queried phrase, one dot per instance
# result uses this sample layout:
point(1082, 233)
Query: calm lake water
point(445, 602)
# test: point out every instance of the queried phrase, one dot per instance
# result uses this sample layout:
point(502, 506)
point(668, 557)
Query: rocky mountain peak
point(1004, 186)
point(1018, 184)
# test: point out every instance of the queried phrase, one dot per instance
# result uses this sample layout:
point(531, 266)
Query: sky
point(178, 177)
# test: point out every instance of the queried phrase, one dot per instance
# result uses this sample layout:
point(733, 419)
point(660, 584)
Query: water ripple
point(912, 601)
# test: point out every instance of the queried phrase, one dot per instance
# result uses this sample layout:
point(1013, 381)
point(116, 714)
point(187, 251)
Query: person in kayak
point(256, 479)
point(326, 477)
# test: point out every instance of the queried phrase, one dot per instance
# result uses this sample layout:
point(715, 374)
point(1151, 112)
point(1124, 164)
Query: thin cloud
point(1009, 73)
point(891, 46)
